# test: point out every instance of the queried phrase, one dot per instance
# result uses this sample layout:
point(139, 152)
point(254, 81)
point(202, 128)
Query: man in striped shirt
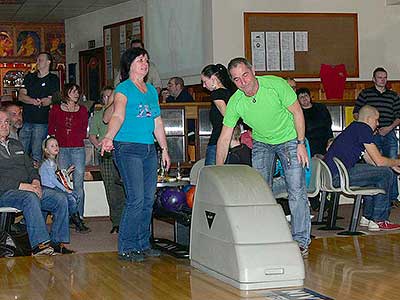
point(387, 102)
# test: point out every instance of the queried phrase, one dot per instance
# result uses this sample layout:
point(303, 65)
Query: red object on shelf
point(333, 79)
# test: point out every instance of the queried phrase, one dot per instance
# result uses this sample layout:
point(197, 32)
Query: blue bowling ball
point(173, 200)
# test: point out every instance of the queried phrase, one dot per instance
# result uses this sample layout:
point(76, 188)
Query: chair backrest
point(315, 179)
point(326, 179)
point(343, 174)
point(194, 172)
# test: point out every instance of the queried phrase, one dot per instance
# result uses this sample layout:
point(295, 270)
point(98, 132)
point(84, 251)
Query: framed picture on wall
point(7, 41)
point(55, 44)
point(28, 43)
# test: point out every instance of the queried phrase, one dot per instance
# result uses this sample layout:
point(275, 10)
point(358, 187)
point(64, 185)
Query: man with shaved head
point(354, 142)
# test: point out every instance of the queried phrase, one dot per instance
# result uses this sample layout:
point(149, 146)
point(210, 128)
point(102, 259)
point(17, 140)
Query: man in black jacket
point(20, 188)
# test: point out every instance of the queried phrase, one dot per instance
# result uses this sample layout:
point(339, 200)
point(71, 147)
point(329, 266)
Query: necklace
point(67, 108)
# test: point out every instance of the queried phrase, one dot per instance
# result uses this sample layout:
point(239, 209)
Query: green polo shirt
point(266, 112)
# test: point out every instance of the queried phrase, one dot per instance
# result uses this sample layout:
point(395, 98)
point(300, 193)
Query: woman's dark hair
point(67, 88)
point(222, 74)
point(127, 58)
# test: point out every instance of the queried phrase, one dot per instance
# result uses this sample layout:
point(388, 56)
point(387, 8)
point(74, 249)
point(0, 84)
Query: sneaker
point(43, 249)
point(61, 249)
point(304, 252)
point(372, 226)
point(386, 225)
point(364, 222)
point(132, 256)
point(152, 252)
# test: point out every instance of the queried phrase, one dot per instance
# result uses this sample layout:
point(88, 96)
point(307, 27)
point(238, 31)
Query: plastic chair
point(7, 217)
point(353, 191)
point(313, 188)
point(315, 181)
point(327, 187)
point(194, 172)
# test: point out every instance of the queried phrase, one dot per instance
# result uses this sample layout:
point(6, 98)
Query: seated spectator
point(14, 112)
point(238, 153)
point(348, 147)
point(50, 180)
point(177, 91)
point(318, 122)
point(20, 188)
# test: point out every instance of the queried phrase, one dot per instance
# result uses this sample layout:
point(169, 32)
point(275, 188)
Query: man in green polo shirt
point(269, 106)
point(114, 191)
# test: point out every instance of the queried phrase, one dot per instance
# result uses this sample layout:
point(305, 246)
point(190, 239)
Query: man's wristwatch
point(301, 142)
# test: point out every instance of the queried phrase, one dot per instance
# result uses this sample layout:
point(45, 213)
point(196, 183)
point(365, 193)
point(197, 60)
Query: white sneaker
point(372, 226)
point(364, 221)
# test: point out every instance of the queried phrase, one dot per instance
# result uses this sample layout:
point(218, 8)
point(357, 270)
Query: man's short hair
point(137, 41)
point(104, 89)
point(7, 104)
point(178, 80)
point(303, 90)
point(49, 57)
point(237, 132)
point(237, 61)
point(379, 69)
point(367, 111)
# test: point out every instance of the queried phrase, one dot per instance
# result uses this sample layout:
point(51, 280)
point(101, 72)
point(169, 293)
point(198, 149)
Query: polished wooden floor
point(365, 267)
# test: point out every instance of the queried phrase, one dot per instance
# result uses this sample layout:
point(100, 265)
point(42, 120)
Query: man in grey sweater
point(20, 188)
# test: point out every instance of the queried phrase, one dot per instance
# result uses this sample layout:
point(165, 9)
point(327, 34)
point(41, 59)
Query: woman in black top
point(215, 78)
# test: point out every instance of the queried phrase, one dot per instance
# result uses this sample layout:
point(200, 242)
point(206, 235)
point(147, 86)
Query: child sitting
point(48, 173)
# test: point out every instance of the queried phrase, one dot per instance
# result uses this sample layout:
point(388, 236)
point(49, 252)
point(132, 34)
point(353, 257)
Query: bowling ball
point(190, 196)
point(173, 200)
point(186, 188)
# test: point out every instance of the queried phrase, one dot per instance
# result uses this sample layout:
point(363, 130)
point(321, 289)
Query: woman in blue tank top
point(135, 122)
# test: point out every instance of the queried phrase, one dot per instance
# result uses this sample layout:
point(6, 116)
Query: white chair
point(327, 187)
point(194, 172)
point(314, 186)
point(356, 191)
point(7, 217)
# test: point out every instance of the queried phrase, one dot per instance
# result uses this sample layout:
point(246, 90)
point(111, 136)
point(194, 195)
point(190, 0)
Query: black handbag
point(7, 245)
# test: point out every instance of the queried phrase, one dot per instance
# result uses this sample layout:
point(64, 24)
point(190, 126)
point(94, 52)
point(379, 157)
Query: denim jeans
point(137, 164)
point(72, 200)
point(211, 154)
point(376, 208)
point(31, 136)
point(32, 208)
point(75, 156)
point(388, 145)
point(264, 161)
point(56, 203)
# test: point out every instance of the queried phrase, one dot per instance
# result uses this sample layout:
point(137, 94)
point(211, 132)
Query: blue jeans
point(264, 162)
point(72, 200)
point(137, 164)
point(211, 154)
point(376, 208)
point(31, 136)
point(75, 156)
point(32, 208)
point(389, 145)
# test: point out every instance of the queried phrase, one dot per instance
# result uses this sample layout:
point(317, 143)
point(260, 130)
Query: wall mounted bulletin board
point(296, 44)
point(117, 38)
